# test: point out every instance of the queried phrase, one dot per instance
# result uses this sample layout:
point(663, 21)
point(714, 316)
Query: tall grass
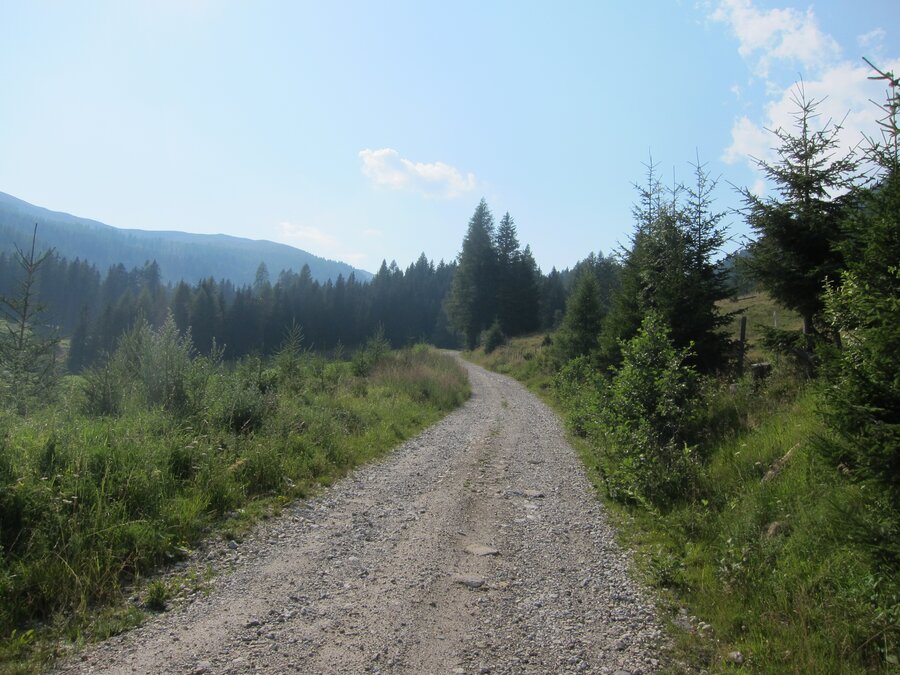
point(145, 456)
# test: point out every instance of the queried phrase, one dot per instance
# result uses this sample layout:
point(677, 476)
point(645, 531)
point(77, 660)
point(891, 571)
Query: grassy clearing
point(769, 566)
point(92, 503)
point(761, 312)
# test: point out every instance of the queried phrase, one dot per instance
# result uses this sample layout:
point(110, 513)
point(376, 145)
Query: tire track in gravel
point(374, 575)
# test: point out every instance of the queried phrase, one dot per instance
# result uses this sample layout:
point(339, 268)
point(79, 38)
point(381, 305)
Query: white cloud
point(787, 37)
point(747, 140)
point(385, 167)
point(872, 40)
point(306, 234)
point(318, 241)
point(776, 34)
point(353, 258)
point(845, 96)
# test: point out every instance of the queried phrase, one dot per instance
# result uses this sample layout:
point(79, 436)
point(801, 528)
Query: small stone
point(202, 668)
point(533, 494)
point(252, 623)
point(469, 581)
point(232, 544)
point(481, 550)
point(736, 658)
point(775, 528)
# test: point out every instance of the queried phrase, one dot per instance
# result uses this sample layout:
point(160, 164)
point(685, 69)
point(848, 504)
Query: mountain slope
point(181, 255)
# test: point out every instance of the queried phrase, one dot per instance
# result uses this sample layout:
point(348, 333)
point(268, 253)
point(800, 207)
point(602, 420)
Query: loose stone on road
point(476, 547)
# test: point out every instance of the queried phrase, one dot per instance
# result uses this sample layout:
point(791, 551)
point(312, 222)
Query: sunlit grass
point(90, 504)
point(761, 312)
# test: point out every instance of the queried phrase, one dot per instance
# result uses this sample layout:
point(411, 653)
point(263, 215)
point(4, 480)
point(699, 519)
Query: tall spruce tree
point(517, 281)
point(506, 244)
point(471, 304)
point(670, 270)
point(707, 280)
point(862, 396)
point(797, 233)
point(627, 306)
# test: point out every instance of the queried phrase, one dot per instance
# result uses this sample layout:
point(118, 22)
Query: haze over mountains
point(181, 255)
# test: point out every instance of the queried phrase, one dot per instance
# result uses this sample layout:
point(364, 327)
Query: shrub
point(102, 391)
point(236, 403)
point(646, 419)
point(493, 337)
point(157, 363)
point(368, 357)
point(578, 385)
point(289, 360)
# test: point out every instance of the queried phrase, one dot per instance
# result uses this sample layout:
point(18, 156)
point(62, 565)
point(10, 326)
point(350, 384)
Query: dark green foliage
point(642, 421)
point(494, 280)
point(493, 337)
point(647, 418)
point(581, 324)
point(670, 269)
point(517, 280)
point(471, 304)
point(706, 281)
point(247, 320)
point(365, 359)
point(862, 390)
point(797, 233)
point(103, 391)
point(552, 304)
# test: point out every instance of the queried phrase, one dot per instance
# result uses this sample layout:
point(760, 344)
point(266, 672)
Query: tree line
point(420, 303)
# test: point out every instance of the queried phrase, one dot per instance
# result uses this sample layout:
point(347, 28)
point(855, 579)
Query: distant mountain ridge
point(181, 255)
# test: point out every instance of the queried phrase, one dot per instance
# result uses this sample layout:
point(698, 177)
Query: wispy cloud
point(385, 167)
point(874, 39)
point(775, 41)
point(318, 241)
point(306, 234)
point(784, 34)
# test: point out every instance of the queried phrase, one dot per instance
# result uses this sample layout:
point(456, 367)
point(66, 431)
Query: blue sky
point(369, 130)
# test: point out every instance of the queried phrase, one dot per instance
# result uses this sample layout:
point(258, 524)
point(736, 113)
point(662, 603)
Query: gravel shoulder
point(475, 547)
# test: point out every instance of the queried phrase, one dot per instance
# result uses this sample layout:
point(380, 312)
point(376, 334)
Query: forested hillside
point(92, 309)
point(181, 256)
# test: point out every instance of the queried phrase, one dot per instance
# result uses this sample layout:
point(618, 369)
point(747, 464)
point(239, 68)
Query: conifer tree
point(28, 363)
point(670, 270)
point(707, 280)
point(471, 304)
point(862, 396)
point(797, 231)
point(552, 300)
point(581, 324)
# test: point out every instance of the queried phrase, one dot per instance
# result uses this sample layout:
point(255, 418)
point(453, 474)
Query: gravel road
point(476, 547)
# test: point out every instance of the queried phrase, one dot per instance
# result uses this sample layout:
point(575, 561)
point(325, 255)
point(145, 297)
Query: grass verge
point(92, 503)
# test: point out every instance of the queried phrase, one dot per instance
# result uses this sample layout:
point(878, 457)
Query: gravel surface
point(477, 547)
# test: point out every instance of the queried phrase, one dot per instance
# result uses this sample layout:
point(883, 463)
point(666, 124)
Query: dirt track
point(375, 575)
